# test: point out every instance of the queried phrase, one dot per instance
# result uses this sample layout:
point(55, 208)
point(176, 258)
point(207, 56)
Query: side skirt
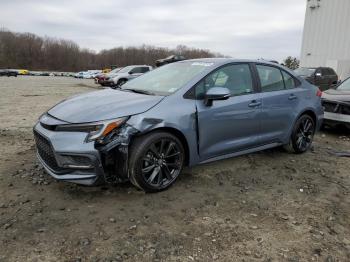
point(243, 152)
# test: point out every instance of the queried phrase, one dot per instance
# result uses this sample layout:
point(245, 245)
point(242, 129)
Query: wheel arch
point(310, 113)
point(177, 133)
point(123, 78)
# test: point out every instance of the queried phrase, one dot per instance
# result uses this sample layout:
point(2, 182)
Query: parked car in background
point(8, 72)
point(23, 72)
point(79, 74)
point(126, 74)
point(322, 77)
point(90, 74)
point(106, 70)
point(336, 104)
point(169, 59)
point(35, 73)
point(103, 78)
point(181, 114)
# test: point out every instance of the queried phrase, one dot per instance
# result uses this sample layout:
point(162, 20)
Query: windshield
point(345, 86)
point(304, 71)
point(167, 79)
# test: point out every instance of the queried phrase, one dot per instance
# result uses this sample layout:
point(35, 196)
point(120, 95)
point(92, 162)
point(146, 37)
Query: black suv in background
point(322, 77)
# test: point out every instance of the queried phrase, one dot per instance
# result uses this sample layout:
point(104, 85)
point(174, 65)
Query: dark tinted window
point(325, 71)
point(136, 70)
point(330, 71)
point(144, 69)
point(288, 80)
point(270, 78)
point(237, 78)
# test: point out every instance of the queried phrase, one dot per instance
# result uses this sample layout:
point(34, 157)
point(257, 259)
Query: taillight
point(319, 93)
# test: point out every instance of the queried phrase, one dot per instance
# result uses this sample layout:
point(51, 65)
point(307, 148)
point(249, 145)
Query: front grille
point(45, 151)
point(334, 107)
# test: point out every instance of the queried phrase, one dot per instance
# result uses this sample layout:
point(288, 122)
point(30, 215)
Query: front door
point(230, 125)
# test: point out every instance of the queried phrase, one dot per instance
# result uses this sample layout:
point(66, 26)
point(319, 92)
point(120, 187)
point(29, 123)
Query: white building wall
point(326, 36)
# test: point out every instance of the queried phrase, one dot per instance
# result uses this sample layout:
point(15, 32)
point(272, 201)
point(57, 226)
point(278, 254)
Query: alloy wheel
point(162, 163)
point(304, 134)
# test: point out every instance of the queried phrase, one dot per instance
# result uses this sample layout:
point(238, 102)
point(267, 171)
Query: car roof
point(228, 60)
point(223, 61)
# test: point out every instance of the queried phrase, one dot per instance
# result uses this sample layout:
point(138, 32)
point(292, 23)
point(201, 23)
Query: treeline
point(29, 51)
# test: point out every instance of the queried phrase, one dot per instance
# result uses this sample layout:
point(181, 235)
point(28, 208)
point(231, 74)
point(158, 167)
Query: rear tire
point(302, 135)
point(156, 160)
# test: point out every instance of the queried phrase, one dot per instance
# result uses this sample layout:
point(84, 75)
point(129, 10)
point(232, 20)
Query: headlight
point(97, 130)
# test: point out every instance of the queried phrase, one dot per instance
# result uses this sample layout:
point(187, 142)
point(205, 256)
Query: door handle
point(254, 103)
point(292, 97)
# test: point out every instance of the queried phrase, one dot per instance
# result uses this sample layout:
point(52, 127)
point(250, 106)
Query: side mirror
point(318, 74)
point(131, 72)
point(216, 93)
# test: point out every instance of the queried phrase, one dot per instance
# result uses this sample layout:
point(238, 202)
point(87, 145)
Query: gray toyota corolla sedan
point(181, 114)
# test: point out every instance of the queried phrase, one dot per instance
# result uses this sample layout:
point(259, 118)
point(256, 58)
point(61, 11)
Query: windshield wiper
point(139, 91)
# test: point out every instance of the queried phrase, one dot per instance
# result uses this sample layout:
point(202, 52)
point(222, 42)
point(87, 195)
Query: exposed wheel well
point(311, 114)
point(122, 79)
point(179, 135)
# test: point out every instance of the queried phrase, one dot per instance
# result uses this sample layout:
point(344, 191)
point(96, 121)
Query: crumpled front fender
point(115, 155)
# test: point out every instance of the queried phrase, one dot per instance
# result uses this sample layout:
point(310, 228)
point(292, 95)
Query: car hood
point(103, 105)
point(336, 95)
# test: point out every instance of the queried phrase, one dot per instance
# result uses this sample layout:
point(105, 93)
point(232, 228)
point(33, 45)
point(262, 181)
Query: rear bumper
point(66, 156)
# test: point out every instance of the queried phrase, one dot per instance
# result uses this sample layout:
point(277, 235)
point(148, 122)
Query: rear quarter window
point(289, 81)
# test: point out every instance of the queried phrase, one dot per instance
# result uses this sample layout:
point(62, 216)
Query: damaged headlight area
point(102, 132)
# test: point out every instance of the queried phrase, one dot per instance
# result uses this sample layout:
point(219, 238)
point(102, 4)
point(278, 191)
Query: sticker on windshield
point(172, 90)
point(202, 64)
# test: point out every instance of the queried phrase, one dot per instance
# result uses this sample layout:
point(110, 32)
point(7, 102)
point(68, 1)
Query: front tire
point(156, 160)
point(302, 135)
point(121, 82)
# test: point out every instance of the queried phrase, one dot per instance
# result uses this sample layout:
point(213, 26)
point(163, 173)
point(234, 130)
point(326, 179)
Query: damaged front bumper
point(67, 156)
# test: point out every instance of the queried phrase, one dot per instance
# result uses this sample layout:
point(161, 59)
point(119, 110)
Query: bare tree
point(26, 50)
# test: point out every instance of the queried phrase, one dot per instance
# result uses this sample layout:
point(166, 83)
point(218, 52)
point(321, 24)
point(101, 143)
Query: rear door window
point(271, 78)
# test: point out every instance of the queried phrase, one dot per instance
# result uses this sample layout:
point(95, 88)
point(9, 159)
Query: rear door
point(230, 125)
point(280, 96)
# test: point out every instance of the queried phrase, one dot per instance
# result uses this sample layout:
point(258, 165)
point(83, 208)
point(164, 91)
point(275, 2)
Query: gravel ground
point(268, 206)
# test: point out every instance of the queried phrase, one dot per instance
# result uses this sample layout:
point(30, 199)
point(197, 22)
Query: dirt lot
point(269, 206)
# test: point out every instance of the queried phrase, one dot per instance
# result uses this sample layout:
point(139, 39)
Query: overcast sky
point(239, 28)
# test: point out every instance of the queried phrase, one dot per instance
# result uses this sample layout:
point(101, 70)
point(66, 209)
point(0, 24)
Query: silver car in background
point(128, 73)
point(336, 104)
point(181, 114)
